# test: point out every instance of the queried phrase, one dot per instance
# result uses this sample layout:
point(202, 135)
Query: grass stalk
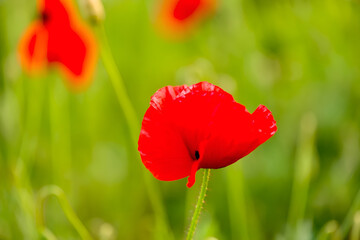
point(133, 124)
point(57, 192)
point(302, 175)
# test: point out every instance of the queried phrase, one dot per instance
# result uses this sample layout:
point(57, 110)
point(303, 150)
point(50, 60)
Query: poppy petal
point(56, 13)
point(264, 123)
point(31, 48)
point(70, 43)
point(191, 179)
point(161, 147)
point(73, 53)
point(177, 17)
point(237, 131)
point(185, 8)
point(200, 126)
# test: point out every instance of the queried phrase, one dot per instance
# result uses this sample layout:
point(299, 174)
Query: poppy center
point(197, 155)
point(45, 17)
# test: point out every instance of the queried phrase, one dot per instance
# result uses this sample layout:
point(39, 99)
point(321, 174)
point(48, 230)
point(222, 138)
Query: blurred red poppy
point(199, 126)
point(177, 17)
point(58, 37)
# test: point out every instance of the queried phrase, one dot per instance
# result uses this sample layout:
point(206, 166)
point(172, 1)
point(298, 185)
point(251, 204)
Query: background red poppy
point(298, 58)
point(58, 37)
point(177, 18)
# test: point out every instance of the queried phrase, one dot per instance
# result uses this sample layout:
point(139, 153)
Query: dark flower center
point(197, 155)
point(45, 17)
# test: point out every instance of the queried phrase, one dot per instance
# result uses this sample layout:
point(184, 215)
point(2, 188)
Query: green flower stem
point(199, 204)
point(53, 190)
point(133, 123)
point(118, 83)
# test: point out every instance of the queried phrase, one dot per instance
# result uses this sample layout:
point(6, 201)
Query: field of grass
point(299, 58)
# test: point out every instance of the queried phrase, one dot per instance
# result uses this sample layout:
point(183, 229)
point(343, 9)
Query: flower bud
point(94, 10)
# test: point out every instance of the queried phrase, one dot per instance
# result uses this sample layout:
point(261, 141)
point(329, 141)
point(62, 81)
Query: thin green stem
point(199, 204)
point(118, 84)
point(53, 190)
point(133, 123)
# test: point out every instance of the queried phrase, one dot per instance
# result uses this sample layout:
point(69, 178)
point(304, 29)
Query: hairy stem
point(199, 204)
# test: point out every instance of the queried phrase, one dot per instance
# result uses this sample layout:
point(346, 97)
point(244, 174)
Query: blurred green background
point(300, 58)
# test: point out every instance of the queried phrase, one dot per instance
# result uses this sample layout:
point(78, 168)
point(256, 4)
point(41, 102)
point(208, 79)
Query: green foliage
point(299, 58)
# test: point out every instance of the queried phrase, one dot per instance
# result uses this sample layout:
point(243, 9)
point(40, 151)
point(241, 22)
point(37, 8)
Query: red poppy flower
point(179, 16)
point(59, 38)
point(199, 126)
